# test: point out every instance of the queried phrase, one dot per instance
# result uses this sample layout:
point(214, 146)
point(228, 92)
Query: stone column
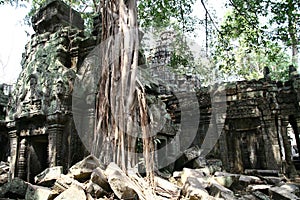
point(22, 159)
point(55, 132)
point(13, 152)
point(224, 149)
point(272, 148)
point(297, 132)
point(290, 168)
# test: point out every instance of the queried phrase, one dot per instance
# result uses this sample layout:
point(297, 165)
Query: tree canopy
point(252, 35)
point(255, 34)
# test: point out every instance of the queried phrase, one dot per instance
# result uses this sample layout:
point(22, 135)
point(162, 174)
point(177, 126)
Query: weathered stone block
point(98, 177)
point(48, 176)
point(261, 195)
point(249, 179)
point(38, 193)
point(218, 190)
point(53, 14)
point(121, 184)
point(194, 188)
point(65, 182)
point(74, 192)
point(186, 173)
point(279, 193)
point(166, 188)
point(95, 190)
point(291, 188)
point(83, 169)
point(225, 181)
point(262, 188)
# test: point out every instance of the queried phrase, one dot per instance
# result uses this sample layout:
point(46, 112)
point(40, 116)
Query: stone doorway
point(37, 156)
point(293, 133)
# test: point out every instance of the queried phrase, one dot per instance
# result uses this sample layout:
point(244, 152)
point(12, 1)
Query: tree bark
point(121, 101)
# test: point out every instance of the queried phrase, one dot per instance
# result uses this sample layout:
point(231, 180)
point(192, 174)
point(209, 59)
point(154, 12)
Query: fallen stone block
point(38, 192)
point(177, 174)
point(187, 172)
point(74, 193)
point(3, 178)
point(64, 182)
point(199, 162)
point(82, 170)
point(263, 188)
point(279, 193)
point(227, 196)
point(166, 188)
point(262, 172)
point(189, 155)
point(274, 180)
point(260, 195)
point(98, 176)
point(95, 190)
point(195, 189)
point(214, 165)
point(248, 197)
point(226, 179)
point(247, 180)
point(122, 186)
point(48, 176)
point(291, 188)
point(4, 167)
point(218, 173)
point(220, 191)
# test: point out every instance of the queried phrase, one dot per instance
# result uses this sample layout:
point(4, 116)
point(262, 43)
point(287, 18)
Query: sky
point(13, 37)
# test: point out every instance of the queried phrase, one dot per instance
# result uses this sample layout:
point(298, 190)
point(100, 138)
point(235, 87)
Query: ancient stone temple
point(245, 124)
point(256, 133)
point(39, 119)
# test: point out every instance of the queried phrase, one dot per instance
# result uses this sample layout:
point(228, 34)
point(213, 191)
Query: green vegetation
point(255, 34)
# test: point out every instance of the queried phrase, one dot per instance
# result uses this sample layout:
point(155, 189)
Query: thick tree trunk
point(121, 101)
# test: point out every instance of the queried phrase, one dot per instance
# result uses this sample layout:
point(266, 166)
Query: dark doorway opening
point(37, 156)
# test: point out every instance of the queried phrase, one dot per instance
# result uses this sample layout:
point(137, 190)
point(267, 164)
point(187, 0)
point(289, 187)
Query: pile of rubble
point(90, 180)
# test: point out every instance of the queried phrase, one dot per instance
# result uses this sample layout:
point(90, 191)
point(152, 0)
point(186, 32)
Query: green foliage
point(181, 59)
point(159, 16)
point(167, 13)
point(255, 34)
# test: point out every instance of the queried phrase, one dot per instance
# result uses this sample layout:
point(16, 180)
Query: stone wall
point(247, 122)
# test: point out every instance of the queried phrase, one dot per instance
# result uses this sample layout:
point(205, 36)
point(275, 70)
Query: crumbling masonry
point(251, 133)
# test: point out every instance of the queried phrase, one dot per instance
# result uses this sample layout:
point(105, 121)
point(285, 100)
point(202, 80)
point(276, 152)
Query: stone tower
point(39, 120)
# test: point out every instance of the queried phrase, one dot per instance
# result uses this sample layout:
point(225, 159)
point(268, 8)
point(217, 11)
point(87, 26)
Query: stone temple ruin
point(251, 122)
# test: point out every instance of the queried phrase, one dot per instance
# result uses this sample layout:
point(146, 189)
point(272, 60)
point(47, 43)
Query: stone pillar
point(13, 152)
point(297, 132)
point(22, 159)
point(290, 168)
point(224, 150)
point(272, 148)
point(55, 132)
